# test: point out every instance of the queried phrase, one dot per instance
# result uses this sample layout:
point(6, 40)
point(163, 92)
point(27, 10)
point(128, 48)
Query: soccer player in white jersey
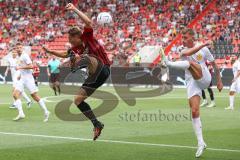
point(26, 80)
point(197, 77)
point(12, 64)
point(235, 87)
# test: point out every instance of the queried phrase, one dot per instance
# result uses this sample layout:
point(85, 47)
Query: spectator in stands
point(141, 22)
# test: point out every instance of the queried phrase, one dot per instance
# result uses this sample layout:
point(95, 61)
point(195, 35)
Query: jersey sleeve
point(27, 59)
point(238, 66)
point(49, 64)
point(87, 32)
point(8, 63)
point(17, 74)
point(208, 55)
point(59, 63)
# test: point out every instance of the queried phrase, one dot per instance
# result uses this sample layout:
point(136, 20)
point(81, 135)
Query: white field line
point(115, 141)
point(47, 99)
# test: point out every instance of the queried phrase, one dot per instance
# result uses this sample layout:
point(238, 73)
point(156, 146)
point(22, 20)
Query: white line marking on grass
point(115, 141)
point(47, 99)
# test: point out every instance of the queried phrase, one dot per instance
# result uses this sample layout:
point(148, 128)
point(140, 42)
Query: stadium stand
point(137, 23)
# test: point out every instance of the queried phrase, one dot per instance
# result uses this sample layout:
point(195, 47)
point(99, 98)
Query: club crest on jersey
point(199, 57)
point(17, 62)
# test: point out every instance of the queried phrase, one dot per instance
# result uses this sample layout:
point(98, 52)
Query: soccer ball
point(104, 18)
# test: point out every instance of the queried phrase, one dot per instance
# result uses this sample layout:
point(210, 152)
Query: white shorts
point(235, 86)
point(195, 87)
point(14, 83)
point(26, 82)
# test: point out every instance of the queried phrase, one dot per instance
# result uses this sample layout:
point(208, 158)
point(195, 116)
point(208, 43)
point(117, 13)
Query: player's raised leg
point(177, 64)
point(92, 56)
point(194, 68)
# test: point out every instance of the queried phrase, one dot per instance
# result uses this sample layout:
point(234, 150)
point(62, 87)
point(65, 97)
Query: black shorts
point(35, 78)
point(54, 77)
point(97, 79)
point(211, 84)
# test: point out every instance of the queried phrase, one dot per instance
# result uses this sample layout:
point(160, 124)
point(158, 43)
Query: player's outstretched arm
point(56, 53)
point(29, 66)
point(191, 51)
point(83, 17)
point(218, 76)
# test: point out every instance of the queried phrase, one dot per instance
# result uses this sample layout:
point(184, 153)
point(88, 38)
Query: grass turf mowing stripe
point(116, 141)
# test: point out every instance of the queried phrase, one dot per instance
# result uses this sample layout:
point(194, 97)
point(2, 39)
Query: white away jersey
point(201, 57)
point(24, 61)
point(12, 64)
point(236, 68)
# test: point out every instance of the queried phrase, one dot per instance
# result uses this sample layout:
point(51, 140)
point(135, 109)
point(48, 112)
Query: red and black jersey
point(36, 71)
point(92, 47)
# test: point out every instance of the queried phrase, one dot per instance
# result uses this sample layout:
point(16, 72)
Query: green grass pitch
point(122, 137)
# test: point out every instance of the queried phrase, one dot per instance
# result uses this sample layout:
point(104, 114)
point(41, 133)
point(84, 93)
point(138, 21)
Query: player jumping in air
point(197, 77)
point(12, 63)
point(235, 82)
point(26, 80)
point(94, 57)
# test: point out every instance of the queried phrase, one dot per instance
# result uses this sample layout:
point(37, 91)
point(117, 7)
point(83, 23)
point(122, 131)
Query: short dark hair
point(75, 31)
point(188, 30)
point(18, 44)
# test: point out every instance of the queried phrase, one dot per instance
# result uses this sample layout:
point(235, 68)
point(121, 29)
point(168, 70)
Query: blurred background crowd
point(136, 23)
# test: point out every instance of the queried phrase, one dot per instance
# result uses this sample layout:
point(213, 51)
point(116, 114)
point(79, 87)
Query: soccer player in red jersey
point(93, 56)
point(36, 72)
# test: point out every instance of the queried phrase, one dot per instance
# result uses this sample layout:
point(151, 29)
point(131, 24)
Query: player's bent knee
point(35, 97)
point(78, 100)
point(195, 112)
point(231, 93)
point(16, 94)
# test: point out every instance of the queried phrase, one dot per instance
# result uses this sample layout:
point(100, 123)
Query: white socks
point(178, 64)
point(14, 102)
point(26, 97)
point(43, 106)
point(231, 100)
point(205, 101)
point(197, 126)
point(18, 104)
